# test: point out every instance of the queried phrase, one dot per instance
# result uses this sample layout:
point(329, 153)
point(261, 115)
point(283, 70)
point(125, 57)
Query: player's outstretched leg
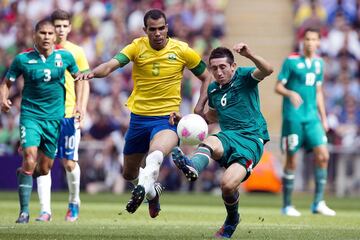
point(72, 213)
point(229, 227)
point(137, 197)
point(184, 164)
point(154, 204)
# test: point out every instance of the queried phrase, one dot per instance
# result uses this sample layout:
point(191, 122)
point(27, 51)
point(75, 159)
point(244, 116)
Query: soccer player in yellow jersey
point(70, 127)
point(157, 72)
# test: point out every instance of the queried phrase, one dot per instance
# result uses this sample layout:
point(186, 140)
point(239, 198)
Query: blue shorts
point(142, 129)
point(68, 143)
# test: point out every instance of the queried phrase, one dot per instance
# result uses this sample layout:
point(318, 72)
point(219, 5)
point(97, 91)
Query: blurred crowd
point(103, 28)
point(339, 21)
point(339, 24)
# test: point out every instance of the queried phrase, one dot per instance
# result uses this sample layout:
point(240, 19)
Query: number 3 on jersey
point(47, 73)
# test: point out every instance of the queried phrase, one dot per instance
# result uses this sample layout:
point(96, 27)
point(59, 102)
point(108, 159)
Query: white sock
point(150, 173)
point(73, 180)
point(44, 192)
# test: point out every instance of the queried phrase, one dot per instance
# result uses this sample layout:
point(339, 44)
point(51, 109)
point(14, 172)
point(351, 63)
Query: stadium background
point(271, 28)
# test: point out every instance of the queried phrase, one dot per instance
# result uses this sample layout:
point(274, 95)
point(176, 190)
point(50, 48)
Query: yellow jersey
point(83, 65)
point(157, 75)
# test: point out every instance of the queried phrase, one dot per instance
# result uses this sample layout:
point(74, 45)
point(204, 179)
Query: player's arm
point(4, 95)
point(83, 65)
point(211, 116)
point(100, 71)
point(78, 110)
point(205, 78)
point(14, 72)
point(294, 97)
point(321, 106)
point(263, 68)
point(85, 95)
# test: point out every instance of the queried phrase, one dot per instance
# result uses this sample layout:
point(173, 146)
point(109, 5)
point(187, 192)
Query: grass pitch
point(183, 216)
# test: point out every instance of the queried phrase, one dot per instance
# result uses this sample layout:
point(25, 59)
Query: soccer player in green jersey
point(70, 130)
point(42, 105)
point(234, 103)
point(304, 120)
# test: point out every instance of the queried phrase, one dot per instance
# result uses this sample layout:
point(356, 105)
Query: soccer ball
point(192, 129)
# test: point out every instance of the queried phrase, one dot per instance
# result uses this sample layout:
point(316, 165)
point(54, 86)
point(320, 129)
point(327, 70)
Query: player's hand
point(85, 76)
point(78, 114)
point(242, 49)
point(6, 105)
point(199, 110)
point(296, 99)
point(174, 118)
point(325, 125)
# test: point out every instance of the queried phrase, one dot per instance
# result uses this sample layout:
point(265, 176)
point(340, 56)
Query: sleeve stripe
point(199, 69)
point(122, 58)
point(257, 79)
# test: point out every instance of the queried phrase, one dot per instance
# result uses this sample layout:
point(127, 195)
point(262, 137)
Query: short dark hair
point(312, 29)
point(154, 14)
point(221, 52)
point(43, 22)
point(60, 15)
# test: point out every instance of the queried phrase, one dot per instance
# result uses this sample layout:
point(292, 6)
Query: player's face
point(222, 70)
point(311, 42)
point(62, 29)
point(45, 37)
point(157, 31)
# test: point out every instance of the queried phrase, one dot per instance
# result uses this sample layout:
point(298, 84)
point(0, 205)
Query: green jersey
point(43, 94)
point(302, 76)
point(238, 105)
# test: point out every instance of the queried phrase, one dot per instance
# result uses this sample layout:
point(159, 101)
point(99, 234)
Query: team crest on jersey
point(300, 65)
point(58, 60)
point(317, 67)
point(172, 56)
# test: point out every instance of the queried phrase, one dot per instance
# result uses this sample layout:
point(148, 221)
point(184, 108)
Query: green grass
point(183, 216)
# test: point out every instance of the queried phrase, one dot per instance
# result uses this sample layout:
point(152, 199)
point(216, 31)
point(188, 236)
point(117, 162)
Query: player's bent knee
point(69, 165)
point(228, 188)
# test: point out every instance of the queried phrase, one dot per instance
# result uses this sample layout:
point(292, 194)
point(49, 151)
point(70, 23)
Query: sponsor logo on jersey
point(32, 61)
point(58, 60)
point(300, 65)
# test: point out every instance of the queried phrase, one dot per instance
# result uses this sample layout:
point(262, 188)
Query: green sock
point(25, 187)
point(288, 187)
point(320, 183)
point(201, 158)
point(232, 205)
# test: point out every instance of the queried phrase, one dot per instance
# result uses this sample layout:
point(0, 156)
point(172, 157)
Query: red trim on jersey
point(28, 50)
point(294, 54)
point(58, 46)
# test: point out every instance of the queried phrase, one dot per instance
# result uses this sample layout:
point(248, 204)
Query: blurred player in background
point(70, 127)
point(42, 106)
point(157, 72)
point(234, 103)
point(304, 120)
